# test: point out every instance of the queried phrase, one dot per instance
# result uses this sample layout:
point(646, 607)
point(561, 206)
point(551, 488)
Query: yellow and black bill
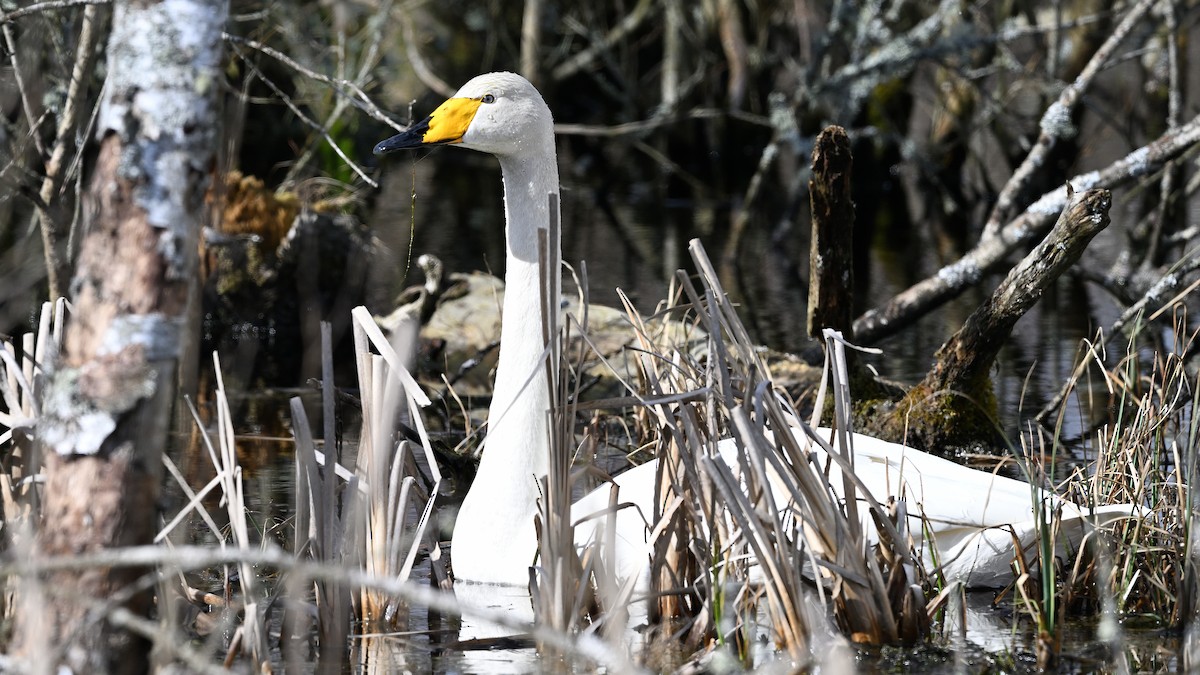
point(445, 125)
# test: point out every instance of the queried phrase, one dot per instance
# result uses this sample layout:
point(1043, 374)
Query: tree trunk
point(107, 408)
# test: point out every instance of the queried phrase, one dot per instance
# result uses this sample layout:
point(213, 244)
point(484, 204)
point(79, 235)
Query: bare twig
point(1157, 299)
point(733, 43)
point(419, 66)
point(47, 6)
point(369, 61)
point(1170, 175)
point(630, 22)
point(324, 131)
point(1056, 123)
point(49, 216)
point(344, 88)
point(659, 120)
point(10, 43)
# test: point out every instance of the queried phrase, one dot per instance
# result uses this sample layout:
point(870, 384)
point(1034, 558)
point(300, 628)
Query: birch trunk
point(108, 404)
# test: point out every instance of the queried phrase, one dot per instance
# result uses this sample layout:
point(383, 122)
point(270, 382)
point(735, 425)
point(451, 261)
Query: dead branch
point(370, 59)
point(419, 66)
point(962, 364)
point(786, 133)
point(969, 354)
point(39, 7)
point(1056, 122)
point(656, 121)
point(312, 124)
point(948, 282)
point(630, 22)
point(51, 214)
point(531, 41)
point(733, 44)
point(346, 89)
point(28, 105)
point(1158, 298)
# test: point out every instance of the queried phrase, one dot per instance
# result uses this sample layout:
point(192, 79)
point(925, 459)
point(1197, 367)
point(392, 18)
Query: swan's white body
point(973, 514)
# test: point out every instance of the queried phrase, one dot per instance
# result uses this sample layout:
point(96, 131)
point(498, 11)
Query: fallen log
point(954, 406)
point(947, 283)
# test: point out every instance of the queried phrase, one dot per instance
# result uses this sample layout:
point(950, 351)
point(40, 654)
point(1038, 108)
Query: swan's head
point(500, 113)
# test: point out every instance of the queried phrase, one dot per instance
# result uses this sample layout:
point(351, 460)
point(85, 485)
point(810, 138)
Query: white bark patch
point(74, 424)
point(157, 334)
point(962, 273)
point(164, 60)
point(69, 425)
point(1056, 122)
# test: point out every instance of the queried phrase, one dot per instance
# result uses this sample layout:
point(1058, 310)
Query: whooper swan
point(973, 514)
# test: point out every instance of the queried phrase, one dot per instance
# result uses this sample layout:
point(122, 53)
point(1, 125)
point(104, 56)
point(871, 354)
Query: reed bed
point(1143, 450)
point(23, 379)
point(731, 563)
point(378, 517)
point(754, 557)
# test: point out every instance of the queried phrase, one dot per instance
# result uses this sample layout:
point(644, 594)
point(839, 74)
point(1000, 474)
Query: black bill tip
point(413, 137)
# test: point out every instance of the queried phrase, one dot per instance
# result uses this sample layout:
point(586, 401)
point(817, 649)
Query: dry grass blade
point(398, 506)
point(253, 628)
point(562, 595)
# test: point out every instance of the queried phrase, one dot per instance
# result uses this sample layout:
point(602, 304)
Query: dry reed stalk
point(684, 580)
point(564, 590)
point(833, 530)
point(21, 386)
point(253, 629)
point(770, 506)
point(395, 487)
point(365, 519)
point(319, 532)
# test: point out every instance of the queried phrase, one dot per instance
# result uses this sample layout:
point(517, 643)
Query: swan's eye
point(488, 98)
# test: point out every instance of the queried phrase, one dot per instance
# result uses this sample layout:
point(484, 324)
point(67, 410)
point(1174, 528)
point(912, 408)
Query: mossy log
point(954, 407)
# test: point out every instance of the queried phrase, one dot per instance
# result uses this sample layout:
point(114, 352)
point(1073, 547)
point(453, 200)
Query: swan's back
point(973, 514)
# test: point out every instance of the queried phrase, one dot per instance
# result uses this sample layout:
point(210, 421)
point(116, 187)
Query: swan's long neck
point(494, 538)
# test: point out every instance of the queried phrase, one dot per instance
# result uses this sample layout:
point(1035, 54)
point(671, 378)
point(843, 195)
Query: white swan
point(973, 514)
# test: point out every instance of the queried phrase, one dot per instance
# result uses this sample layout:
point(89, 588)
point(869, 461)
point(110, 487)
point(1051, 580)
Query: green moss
point(942, 422)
